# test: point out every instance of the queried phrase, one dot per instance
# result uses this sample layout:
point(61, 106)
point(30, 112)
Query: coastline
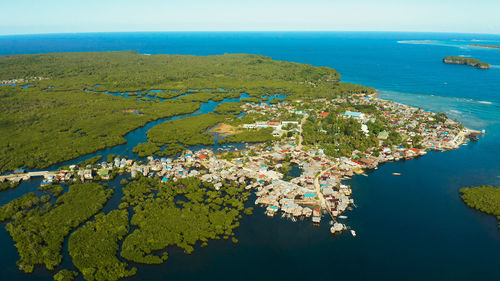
point(399, 219)
point(318, 175)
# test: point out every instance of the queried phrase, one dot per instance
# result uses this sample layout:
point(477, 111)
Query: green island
point(12, 208)
point(179, 213)
point(484, 198)
point(466, 61)
point(485, 46)
point(65, 275)
point(229, 108)
point(39, 232)
point(94, 247)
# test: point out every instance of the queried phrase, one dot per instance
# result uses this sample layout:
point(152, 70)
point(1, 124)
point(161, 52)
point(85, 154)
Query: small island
point(466, 61)
point(485, 46)
point(483, 198)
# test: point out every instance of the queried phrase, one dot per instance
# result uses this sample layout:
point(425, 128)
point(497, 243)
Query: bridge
point(28, 175)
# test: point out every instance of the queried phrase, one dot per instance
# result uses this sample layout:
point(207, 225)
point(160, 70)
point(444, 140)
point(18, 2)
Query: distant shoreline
point(485, 46)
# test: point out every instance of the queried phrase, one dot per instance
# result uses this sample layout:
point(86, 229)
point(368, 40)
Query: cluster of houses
point(21, 80)
point(316, 186)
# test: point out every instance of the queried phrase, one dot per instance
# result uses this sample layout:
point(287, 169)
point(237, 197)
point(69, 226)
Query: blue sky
point(56, 16)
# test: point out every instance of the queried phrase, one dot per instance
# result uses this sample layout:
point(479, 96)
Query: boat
point(396, 174)
point(44, 182)
point(353, 233)
point(342, 217)
point(294, 219)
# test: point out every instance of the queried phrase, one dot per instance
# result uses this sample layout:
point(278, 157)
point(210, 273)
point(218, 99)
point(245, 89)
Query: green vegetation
point(483, 198)
point(39, 233)
point(180, 214)
point(38, 129)
point(336, 135)
point(229, 108)
point(251, 99)
point(131, 71)
point(250, 136)
point(168, 95)
point(56, 120)
point(187, 131)
point(208, 96)
point(93, 160)
point(54, 189)
point(94, 247)
point(467, 61)
point(10, 209)
point(65, 275)
point(8, 185)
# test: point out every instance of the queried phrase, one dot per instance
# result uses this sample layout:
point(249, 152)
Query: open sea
point(409, 227)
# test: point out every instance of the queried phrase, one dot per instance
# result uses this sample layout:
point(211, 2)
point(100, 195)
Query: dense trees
point(229, 108)
point(483, 198)
point(180, 214)
point(467, 61)
point(39, 232)
point(26, 201)
point(65, 275)
point(38, 129)
point(7, 185)
point(55, 119)
point(94, 247)
point(208, 96)
point(130, 71)
point(336, 135)
point(187, 131)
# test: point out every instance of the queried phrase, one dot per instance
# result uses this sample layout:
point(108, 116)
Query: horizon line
point(249, 31)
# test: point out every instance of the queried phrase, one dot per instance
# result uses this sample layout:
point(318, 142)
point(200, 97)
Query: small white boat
point(342, 217)
point(44, 182)
point(353, 233)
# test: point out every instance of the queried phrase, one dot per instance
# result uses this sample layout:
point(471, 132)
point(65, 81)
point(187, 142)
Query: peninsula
point(210, 131)
point(466, 61)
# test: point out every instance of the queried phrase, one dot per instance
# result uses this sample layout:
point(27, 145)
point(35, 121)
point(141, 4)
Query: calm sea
point(411, 227)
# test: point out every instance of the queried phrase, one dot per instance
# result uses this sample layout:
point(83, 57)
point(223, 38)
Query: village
point(316, 190)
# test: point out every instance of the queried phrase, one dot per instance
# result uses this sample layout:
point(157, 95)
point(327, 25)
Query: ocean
point(410, 227)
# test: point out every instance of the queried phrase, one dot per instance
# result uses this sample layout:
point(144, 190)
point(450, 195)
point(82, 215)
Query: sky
point(71, 16)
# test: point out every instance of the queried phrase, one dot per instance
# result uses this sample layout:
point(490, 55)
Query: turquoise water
point(410, 227)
